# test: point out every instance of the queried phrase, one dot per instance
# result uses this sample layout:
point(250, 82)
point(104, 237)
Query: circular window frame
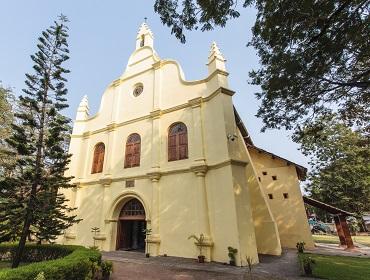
point(138, 87)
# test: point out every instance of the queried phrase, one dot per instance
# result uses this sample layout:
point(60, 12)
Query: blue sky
point(102, 37)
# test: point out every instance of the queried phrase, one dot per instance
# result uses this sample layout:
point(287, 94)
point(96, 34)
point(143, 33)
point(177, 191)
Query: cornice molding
point(154, 176)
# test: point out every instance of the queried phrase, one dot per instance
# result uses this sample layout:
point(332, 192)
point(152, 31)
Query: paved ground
point(132, 266)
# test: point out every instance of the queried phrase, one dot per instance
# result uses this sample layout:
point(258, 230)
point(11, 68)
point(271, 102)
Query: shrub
point(35, 252)
point(307, 264)
point(300, 247)
point(231, 254)
point(75, 262)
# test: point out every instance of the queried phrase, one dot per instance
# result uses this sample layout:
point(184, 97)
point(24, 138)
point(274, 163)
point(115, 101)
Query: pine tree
point(40, 138)
point(6, 119)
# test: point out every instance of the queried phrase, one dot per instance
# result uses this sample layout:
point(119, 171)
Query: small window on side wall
point(177, 142)
point(98, 159)
point(274, 178)
point(264, 173)
point(270, 196)
point(285, 195)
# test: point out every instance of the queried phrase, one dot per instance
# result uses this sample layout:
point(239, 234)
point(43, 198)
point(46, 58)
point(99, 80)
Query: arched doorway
point(131, 223)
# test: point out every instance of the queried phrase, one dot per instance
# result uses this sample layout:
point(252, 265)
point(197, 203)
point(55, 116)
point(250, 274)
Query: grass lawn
point(333, 239)
point(5, 264)
point(341, 268)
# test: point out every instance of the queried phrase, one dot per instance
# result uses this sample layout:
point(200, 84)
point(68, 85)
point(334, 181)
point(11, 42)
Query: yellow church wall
point(247, 238)
point(224, 218)
point(178, 215)
point(289, 213)
point(266, 231)
point(218, 150)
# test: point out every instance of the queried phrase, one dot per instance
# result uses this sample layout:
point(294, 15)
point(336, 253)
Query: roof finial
point(83, 109)
point(145, 19)
point(216, 60)
point(215, 52)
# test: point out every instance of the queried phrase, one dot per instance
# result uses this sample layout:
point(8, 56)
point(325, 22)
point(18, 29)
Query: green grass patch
point(340, 268)
point(364, 240)
point(5, 264)
point(333, 239)
point(328, 239)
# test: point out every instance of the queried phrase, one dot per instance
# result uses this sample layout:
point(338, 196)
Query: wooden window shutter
point(133, 149)
point(177, 142)
point(98, 159)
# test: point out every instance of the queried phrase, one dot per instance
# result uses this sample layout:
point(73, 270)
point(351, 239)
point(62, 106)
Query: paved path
point(133, 265)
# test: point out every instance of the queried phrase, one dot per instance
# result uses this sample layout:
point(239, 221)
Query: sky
point(102, 37)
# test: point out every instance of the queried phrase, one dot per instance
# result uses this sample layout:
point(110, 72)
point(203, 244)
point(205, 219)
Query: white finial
point(215, 52)
point(83, 109)
point(84, 102)
point(144, 30)
point(216, 59)
point(144, 36)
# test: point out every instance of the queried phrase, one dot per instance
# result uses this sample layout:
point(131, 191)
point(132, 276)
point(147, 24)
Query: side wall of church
point(266, 231)
point(284, 198)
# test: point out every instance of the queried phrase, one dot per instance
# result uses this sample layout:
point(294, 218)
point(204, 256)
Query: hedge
point(74, 262)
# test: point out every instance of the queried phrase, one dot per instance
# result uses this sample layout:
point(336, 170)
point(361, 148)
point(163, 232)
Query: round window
point(138, 90)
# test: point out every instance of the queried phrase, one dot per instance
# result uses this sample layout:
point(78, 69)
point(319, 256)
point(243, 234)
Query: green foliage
point(107, 267)
point(353, 224)
point(339, 157)
point(35, 252)
point(6, 119)
point(231, 254)
point(31, 197)
point(300, 247)
point(76, 264)
point(307, 264)
point(314, 55)
point(40, 276)
point(340, 268)
point(193, 14)
point(314, 59)
point(200, 242)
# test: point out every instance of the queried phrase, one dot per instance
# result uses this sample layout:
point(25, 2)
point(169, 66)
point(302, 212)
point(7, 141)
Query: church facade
point(166, 158)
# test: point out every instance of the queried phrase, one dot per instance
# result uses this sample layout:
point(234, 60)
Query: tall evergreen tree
point(40, 138)
point(9, 217)
point(6, 119)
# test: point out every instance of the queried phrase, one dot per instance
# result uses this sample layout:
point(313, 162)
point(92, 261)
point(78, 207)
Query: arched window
point(133, 145)
point(177, 142)
point(98, 160)
point(133, 209)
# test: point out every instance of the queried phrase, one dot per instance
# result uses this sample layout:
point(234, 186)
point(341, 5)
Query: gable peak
point(144, 30)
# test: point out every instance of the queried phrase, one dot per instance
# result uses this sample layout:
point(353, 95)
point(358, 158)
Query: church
point(165, 158)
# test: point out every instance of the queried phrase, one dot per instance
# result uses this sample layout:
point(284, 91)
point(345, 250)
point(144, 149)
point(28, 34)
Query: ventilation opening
point(274, 178)
point(264, 173)
point(286, 195)
point(142, 41)
point(271, 196)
